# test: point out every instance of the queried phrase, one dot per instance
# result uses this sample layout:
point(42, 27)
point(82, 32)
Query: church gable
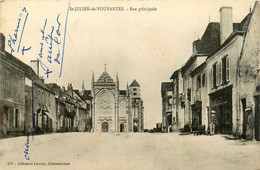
point(105, 78)
point(134, 84)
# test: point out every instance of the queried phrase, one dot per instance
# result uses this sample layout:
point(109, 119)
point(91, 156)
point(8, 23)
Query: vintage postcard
point(129, 84)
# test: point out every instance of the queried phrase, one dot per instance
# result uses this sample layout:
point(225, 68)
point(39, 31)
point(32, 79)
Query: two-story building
point(40, 113)
point(178, 99)
point(167, 116)
point(248, 77)
point(12, 92)
point(202, 48)
point(200, 109)
point(222, 71)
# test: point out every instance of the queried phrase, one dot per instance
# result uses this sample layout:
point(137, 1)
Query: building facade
point(116, 110)
point(40, 114)
point(178, 98)
point(224, 88)
point(168, 119)
point(199, 106)
point(248, 77)
point(12, 92)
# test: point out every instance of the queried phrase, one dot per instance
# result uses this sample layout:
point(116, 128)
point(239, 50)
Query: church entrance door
point(104, 127)
point(121, 127)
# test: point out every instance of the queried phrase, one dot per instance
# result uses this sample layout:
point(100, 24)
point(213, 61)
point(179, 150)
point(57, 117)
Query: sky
point(146, 46)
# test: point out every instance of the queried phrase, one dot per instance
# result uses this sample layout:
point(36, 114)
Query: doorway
point(243, 102)
point(122, 127)
point(5, 120)
point(104, 127)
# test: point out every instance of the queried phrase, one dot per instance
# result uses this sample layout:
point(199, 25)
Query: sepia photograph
point(129, 84)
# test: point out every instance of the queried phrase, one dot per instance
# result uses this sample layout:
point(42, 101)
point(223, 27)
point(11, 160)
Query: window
point(134, 94)
point(42, 95)
point(16, 80)
point(170, 100)
point(15, 118)
point(6, 81)
point(227, 68)
point(49, 99)
point(181, 85)
point(217, 74)
point(199, 82)
point(35, 120)
point(214, 75)
point(203, 80)
point(134, 89)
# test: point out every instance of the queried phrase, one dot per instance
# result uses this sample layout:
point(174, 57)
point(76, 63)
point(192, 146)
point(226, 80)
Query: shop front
point(221, 103)
point(196, 115)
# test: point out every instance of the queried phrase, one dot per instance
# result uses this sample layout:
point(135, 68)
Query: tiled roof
point(175, 74)
point(199, 68)
point(166, 86)
point(87, 95)
point(29, 73)
point(105, 78)
point(210, 40)
point(238, 28)
point(134, 83)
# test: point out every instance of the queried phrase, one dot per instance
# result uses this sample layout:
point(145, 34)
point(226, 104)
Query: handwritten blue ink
point(59, 24)
point(44, 67)
point(50, 43)
point(43, 30)
point(40, 54)
point(65, 30)
point(57, 58)
point(25, 49)
point(13, 39)
point(22, 32)
point(26, 150)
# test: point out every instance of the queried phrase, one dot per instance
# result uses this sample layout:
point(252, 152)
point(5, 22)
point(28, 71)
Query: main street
point(129, 151)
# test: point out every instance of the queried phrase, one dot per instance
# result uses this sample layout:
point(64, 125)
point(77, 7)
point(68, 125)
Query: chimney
point(226, 23)
point(2, 42)
point(42, 79)
point(63, 89)
point(195, 46)
point(35, 66)
point(70, 89)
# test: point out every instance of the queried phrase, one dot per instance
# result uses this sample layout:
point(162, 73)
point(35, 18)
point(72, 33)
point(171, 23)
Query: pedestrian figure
point(212, 128)
point(190, 126)
point(212, 124)
point(170, 128)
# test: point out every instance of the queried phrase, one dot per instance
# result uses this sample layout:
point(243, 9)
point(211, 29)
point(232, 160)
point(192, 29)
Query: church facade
point(116, 110)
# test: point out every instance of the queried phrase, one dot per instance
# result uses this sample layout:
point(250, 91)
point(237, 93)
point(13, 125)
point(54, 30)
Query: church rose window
point(104, 102)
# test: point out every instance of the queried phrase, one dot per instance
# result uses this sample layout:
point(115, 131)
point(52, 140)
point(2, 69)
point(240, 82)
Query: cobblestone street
point(130, 151)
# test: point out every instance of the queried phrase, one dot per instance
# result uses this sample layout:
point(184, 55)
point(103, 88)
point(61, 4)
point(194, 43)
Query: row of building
point(220, 82)
point(27, 104)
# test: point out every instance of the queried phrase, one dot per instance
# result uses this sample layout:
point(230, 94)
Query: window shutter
point(19, 118)
point(220, 73)
point(211, 77)
point(217, 74)
point(180, 85)
point(227, 68)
